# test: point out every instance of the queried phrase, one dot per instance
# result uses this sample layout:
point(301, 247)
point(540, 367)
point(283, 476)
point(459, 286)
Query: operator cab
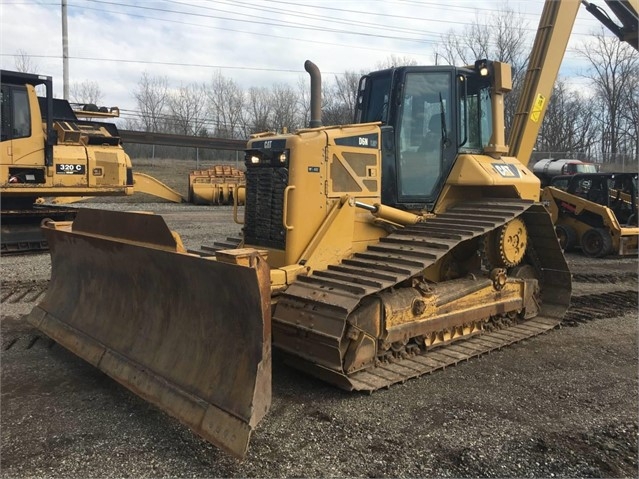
point(429, 116)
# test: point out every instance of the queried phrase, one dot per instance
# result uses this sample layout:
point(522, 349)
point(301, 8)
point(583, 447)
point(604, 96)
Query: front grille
point(264, 203)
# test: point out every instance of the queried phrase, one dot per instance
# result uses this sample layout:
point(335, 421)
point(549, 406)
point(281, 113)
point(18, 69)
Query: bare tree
point(395, 61)
point(338, 105)
point(24, 63)
point(614, 67)
point(286, 111)
point(304, 99)
point(258, 111)
point(225, 106)
point(333, 111)
point(630, 115)
point(187, 108)
point(85, 92)
point(500, 37)
point(152, 95)
point(464, 47)
point(569, 122)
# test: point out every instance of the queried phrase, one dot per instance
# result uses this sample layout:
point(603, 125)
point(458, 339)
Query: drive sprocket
point(505, 247)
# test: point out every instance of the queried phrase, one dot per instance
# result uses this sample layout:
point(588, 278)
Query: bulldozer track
point(27, 341)
point(21, 232)
point(584, 308)
point(327, 298)
point(426, 363)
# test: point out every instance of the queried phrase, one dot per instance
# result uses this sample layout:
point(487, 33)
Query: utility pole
point(65, 52)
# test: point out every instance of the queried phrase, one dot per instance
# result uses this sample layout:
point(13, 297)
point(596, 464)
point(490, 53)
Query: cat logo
point(505, 170)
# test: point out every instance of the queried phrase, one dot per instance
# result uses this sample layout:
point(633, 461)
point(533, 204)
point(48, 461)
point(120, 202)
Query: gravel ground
point(563, 404)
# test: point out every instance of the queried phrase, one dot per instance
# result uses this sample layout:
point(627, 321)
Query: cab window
point(21, 114)
point(423, 129)
point(16, 117)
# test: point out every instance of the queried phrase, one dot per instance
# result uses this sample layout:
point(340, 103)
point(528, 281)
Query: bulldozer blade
point(190, 335)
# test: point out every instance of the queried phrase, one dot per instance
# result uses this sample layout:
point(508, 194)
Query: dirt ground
point(563, 404)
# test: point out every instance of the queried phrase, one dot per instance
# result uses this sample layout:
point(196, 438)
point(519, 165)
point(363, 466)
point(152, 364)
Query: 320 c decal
point(69, 169)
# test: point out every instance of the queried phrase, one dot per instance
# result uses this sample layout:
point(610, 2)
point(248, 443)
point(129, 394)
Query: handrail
point(285, 207)
point(236, 197)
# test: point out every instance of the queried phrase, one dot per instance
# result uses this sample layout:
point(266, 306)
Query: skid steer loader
point(596, 212)
point(370, 253)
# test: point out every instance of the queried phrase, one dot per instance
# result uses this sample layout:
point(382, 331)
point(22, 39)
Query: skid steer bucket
point(190, 335)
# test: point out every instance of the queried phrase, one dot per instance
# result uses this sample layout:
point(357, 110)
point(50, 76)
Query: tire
point(567, 237)
point(596, 243)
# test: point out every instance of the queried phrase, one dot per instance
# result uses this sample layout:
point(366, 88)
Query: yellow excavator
point(47, 150)
point(371, 253)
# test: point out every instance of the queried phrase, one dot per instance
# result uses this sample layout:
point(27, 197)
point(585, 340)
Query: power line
point(333, 20)
point(150, 62)
point(288, 38)
point(257, 22)
point(197, 65)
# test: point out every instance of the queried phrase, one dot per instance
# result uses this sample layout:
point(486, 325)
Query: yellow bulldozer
point(371, 253)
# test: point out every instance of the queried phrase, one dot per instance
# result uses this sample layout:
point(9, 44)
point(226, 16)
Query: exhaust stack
point(316, 94)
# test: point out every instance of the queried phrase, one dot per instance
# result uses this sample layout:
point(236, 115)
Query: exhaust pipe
point(316, 94)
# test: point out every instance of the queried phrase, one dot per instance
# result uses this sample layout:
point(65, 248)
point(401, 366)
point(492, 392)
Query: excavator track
point(21, 231)
point(310, 316)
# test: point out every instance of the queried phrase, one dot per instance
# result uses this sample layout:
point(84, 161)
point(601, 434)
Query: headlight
point(484, 68)
point(282, 157)
point(255, 159)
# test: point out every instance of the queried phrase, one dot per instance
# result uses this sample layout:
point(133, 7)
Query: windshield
point(586, 168)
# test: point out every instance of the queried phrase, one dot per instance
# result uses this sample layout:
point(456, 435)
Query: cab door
point(22, 135)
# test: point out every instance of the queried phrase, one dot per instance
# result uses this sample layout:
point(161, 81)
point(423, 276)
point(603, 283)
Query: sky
point(253, 42)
